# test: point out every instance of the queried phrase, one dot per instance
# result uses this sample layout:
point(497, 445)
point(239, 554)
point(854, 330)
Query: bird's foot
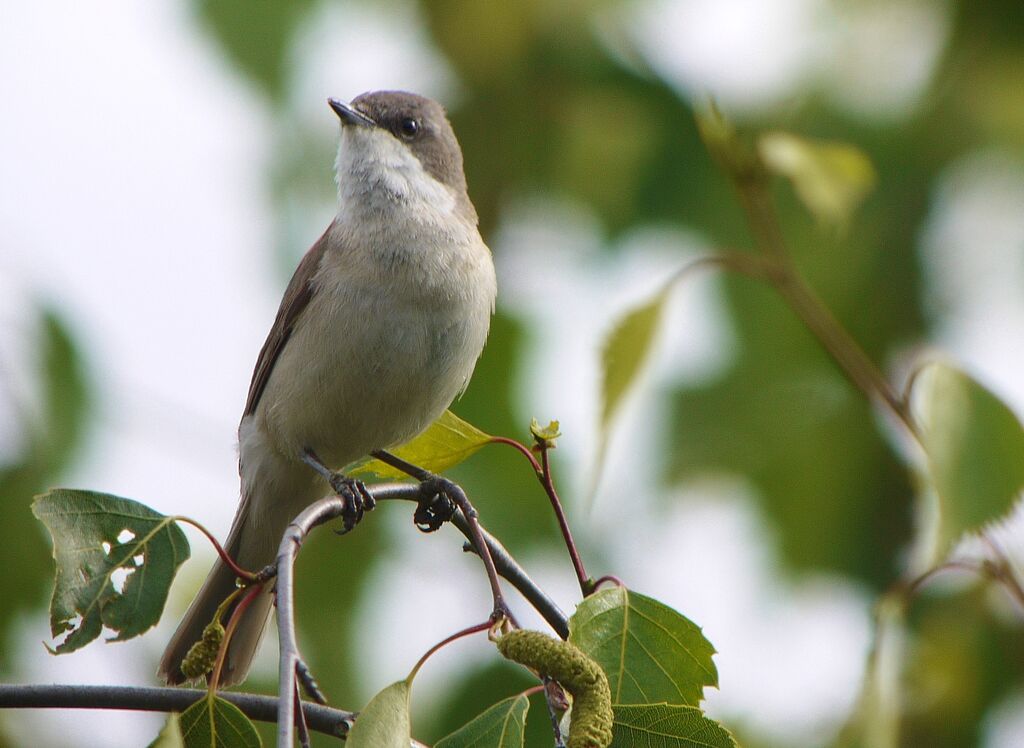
point(358, 500)
point(435, 506)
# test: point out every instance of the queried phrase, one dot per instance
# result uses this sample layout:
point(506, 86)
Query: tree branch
point(331, 507)
point(324, 719)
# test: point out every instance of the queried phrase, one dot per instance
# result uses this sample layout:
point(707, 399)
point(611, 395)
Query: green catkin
point(203, 654)
point(592, 716)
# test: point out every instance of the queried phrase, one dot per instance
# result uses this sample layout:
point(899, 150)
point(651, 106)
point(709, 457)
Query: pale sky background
point(134, 197)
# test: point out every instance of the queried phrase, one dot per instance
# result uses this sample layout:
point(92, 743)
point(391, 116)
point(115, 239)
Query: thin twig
point(802, 300)
point(586, 584)
point(509, 569)
point(320, 718)
point(228, 561)
point(454, 492)
point(468, 631)
point(229, 631)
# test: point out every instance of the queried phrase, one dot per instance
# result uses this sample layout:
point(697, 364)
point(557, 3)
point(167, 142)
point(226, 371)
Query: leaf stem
point(546, 480)
point(469, 631)
point(248, 576)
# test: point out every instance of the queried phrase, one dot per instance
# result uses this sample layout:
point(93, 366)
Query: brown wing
point(300, 290)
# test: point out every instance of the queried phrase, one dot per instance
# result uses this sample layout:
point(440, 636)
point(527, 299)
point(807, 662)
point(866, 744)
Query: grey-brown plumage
point(379, 329)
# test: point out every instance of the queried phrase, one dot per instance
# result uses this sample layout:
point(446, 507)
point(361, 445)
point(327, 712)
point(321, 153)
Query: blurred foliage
point(545, 106)
point(52, 433)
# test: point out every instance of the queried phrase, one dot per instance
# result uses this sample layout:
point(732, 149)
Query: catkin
point(592, 716)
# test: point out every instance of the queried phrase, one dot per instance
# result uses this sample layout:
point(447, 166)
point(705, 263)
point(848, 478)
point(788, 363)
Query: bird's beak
point(349, 115)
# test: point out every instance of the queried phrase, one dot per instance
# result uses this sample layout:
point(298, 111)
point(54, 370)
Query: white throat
point(378, 174)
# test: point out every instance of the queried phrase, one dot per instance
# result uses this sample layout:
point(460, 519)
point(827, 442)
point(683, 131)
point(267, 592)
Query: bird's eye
point(410, 128)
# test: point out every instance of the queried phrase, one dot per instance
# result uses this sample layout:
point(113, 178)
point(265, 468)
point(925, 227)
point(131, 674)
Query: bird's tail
point(248, 634)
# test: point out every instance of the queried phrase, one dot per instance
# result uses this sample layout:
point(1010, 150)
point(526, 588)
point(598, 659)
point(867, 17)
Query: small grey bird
point(378, 331)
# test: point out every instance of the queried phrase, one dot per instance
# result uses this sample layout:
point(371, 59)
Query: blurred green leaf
point(667, 726)
point(975, 449)
point(51, 439)
point(501, 726)
point(650, 653)
point(625, 351)
point(447, 441)
point(170, 736)
point(384, 722)
point(215, 723)
point(256, 36)
point(94, 536)
point(623, 354)
point(832, 179)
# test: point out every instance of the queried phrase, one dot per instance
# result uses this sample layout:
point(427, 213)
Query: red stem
point(229, 630)
point(549, 487)
point(444, 642)
point(238, 570)
point(522, 449)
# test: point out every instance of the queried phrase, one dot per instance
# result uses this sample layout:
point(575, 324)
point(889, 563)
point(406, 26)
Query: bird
point(378, 331)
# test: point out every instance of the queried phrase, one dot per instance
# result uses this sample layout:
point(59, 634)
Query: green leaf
point(384, 723)
point(170, 736)
point(649, 652)
point(49, 422)
point(447, 441)
point(94, 536)
point(830, 178)
point(667, 726)
point(623, 355)
point(215, 723)
point(975, 449)
point(501, 726)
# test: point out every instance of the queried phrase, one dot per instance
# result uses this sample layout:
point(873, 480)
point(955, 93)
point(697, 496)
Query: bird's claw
point(358, 500)
point(435, 506)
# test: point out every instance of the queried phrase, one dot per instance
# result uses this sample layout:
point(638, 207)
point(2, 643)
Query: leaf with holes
point(213, 722)
point(115, 558)
point(447, 441)
point(667, 726)
point(975, 448)
point(649, 652)
point(500, 726)
point(384, 723)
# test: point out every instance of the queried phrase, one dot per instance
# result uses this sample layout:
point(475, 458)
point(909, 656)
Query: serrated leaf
point(384, 723)
point(447, 441)
point(170, 736)
point(501, 726)
point(650, 653)
point(667, 726)
point(975, 449)
point(94, 536)
point(213, 722)
point(831, 179)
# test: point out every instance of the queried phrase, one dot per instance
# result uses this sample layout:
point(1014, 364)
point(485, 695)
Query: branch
point(324, 719)
point(331, 507)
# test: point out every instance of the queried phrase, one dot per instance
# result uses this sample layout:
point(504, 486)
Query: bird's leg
point(357, 499)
